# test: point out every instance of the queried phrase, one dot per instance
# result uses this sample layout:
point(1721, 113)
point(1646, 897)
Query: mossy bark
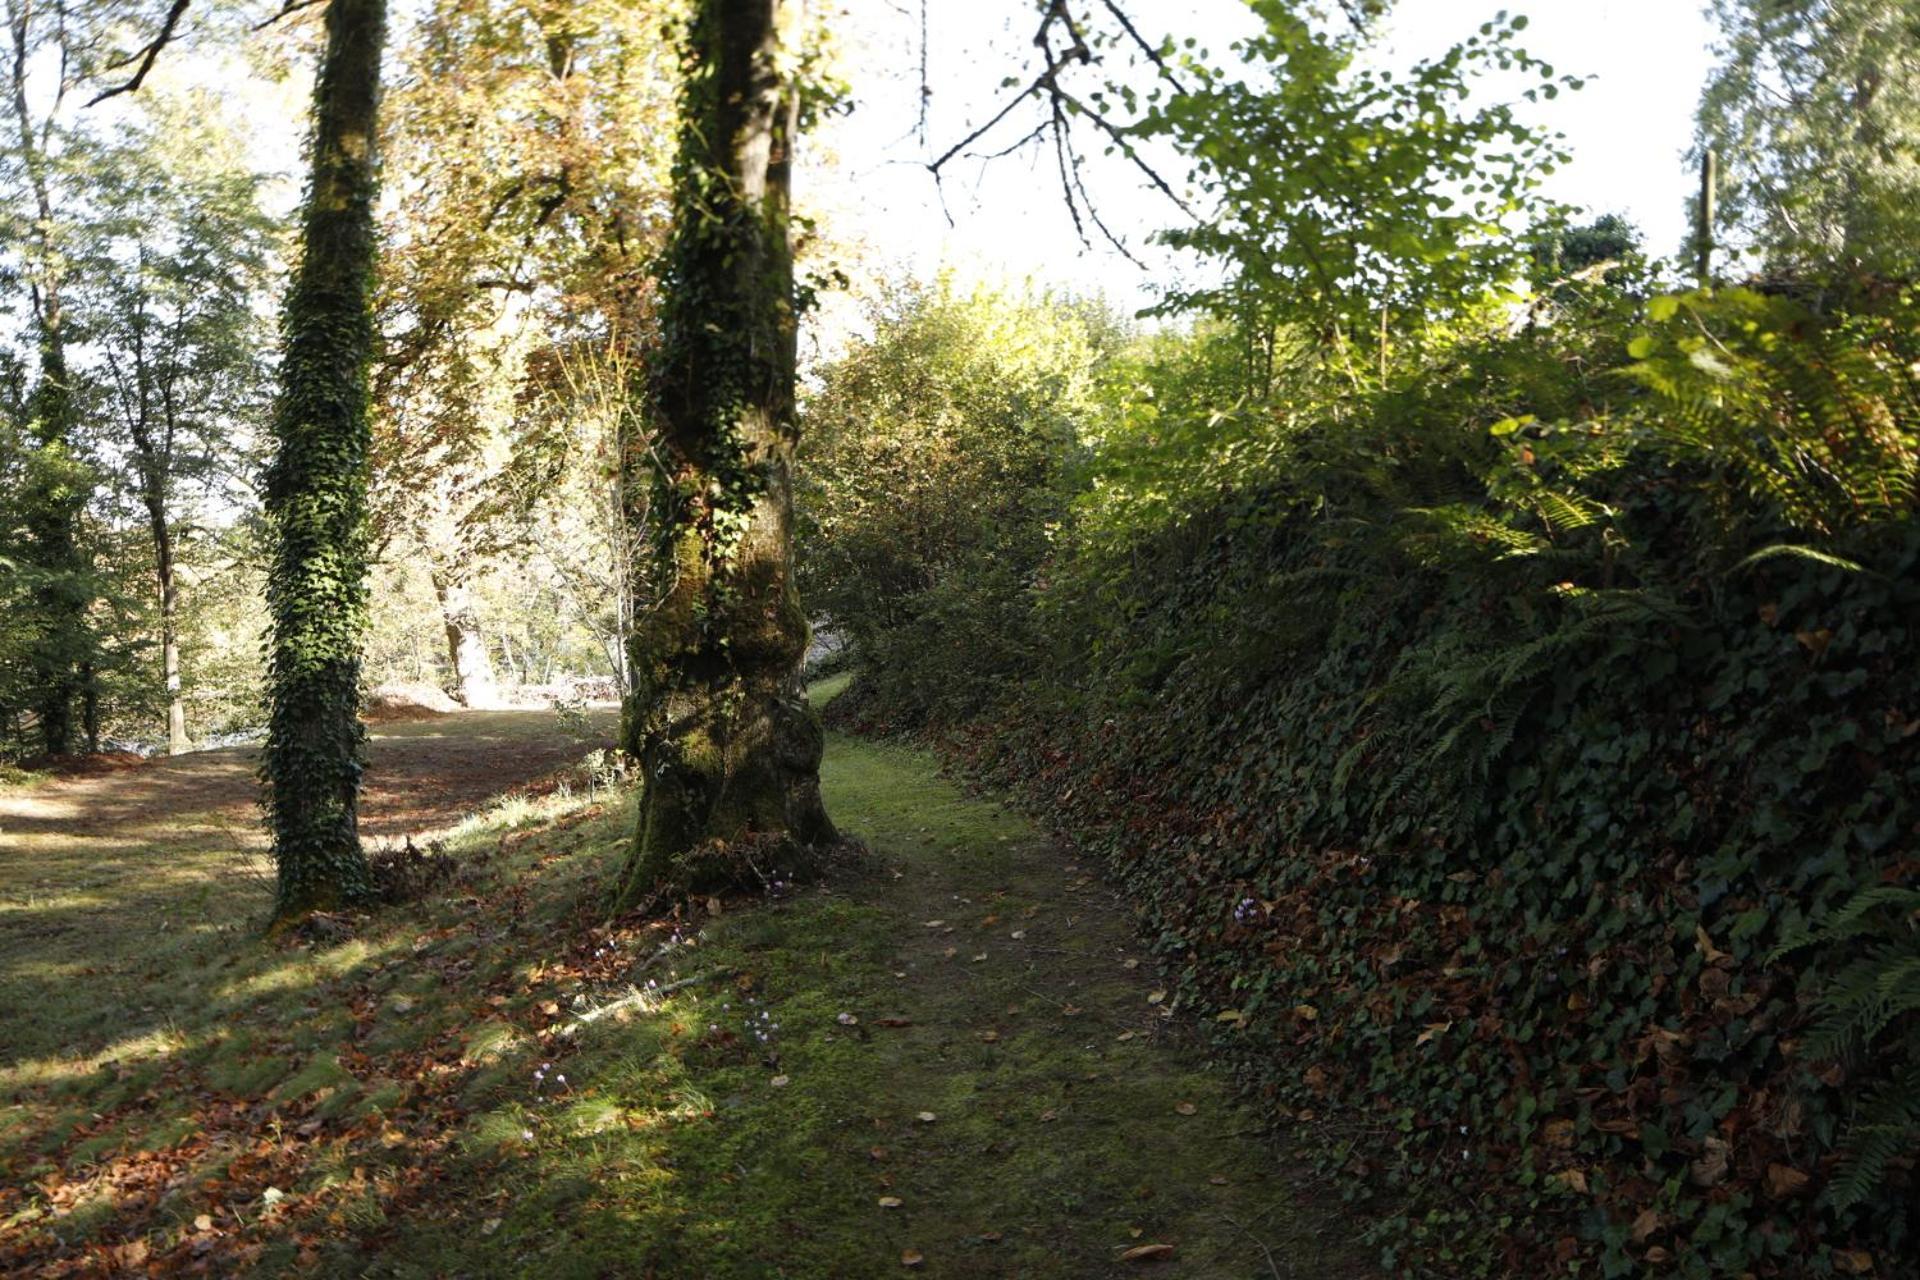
point(316, 498)
point(718, 717)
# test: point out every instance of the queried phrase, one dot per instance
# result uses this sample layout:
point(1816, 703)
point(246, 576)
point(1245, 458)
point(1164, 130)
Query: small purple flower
point(1246, 911)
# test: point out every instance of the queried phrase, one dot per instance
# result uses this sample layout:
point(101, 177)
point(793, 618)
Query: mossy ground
point(393, 1105)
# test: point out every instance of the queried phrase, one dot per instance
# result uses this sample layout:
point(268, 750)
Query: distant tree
point(1814, 113)
point(719, 719)
point(525, 229)
point(55, 484)
point(168, 265)
point(316, 487)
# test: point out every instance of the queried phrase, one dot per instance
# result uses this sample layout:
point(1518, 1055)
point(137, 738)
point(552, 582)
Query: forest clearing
point(811, 639)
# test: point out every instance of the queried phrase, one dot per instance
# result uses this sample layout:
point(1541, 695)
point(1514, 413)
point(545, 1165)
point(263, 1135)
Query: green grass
point(391, 1106)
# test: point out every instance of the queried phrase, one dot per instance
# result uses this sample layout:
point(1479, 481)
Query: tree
point(1814, 115)
point(316, 488)
point(168, 267)
point(527, 138)
point(56, 484)
point(729, 749)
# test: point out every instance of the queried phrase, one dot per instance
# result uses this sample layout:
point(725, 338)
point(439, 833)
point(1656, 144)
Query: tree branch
point(144, 56)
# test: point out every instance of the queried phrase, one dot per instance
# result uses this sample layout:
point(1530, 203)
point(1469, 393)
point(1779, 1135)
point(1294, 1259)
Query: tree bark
point(316, 492)
point(162, 530)
point(466, 643)
point(730, 750)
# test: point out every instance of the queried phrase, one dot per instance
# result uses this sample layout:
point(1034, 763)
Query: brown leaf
point(891, 1202)
point(1147, 1253)
point(1306, 1013)
point(911, 1258)
point(1155, 997)
point(1185, 1108)
point(1710, 1167)
point(1645, 1225)
point(1784, 1181)
point(1855, 1262)
point(1433, 1029)
point(1558, 1133)
point(893, 1022)
point(990, 1036)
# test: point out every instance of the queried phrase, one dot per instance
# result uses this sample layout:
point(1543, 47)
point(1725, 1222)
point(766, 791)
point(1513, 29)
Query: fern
point(1870, 1008)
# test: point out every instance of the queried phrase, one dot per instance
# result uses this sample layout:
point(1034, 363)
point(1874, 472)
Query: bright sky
point(1627, 129)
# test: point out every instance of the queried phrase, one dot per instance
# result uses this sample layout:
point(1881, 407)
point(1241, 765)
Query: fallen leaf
point(202, 1222)
point(876, 1153)
point(891, 1202)
point(927, 1117)
point(780, 1082)
point(1218, 1180)
point(1185, 1108)
point(1571, 1179)
point(1155, 997)
point(1433, 1029)
point(1230, 1015)
point(1306, 1012)
point(935, 924)
point(951, 952)
point(893, 1022)
point(1124, 1035)
point(911, 1258)
point(982, 956)
point(1147, 1253)
point(1710, 1167)
point(1129, 964)
point(1645, 1225)
point(393, 1138)
point(490, 1226)
point(990, 1036)
point(990, 1237)
point(1048, 1115)
point(1784, 1181)
point(713, 906)
point(1017, 934)
point(1855, 1262)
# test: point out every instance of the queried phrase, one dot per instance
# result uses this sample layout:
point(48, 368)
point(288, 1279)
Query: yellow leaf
point(1147, 1253)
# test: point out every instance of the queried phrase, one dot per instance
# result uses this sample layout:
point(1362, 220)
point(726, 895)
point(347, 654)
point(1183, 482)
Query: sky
point(1627, 129)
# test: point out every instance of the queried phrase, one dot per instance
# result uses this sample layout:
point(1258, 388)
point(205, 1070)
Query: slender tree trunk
point(316, 492)
point(177, 740)
point(729, 748)
point(466, 643)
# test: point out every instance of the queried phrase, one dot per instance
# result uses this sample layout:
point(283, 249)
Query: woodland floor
point(952, 1059)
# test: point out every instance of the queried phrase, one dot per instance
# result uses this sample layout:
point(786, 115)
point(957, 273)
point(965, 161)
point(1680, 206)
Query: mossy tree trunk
point(718, 717)
point(316, 499)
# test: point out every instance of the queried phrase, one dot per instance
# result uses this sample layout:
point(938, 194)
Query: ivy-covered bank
point(1529, 803)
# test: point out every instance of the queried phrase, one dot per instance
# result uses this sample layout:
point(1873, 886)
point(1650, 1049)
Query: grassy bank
point(949, 1059)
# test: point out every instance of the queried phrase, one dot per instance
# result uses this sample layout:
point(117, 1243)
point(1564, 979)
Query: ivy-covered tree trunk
point(316, 493)
point(729, 749)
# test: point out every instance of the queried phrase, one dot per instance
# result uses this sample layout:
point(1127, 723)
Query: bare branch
point(291, 7)
point(144, 56)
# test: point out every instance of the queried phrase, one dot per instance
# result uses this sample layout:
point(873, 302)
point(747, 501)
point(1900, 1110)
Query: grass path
point(394, 1105)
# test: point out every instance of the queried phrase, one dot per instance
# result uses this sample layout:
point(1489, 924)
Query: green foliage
point(1868, 1016)
point(1463, 741)
point(1342, 192)
point(934, 478)
point(1819, 419)
point(1814, 113)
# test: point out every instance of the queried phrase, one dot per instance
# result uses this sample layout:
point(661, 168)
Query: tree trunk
point(177, 740)
point(466, 643)
point(316, 491)
point(729, 748)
